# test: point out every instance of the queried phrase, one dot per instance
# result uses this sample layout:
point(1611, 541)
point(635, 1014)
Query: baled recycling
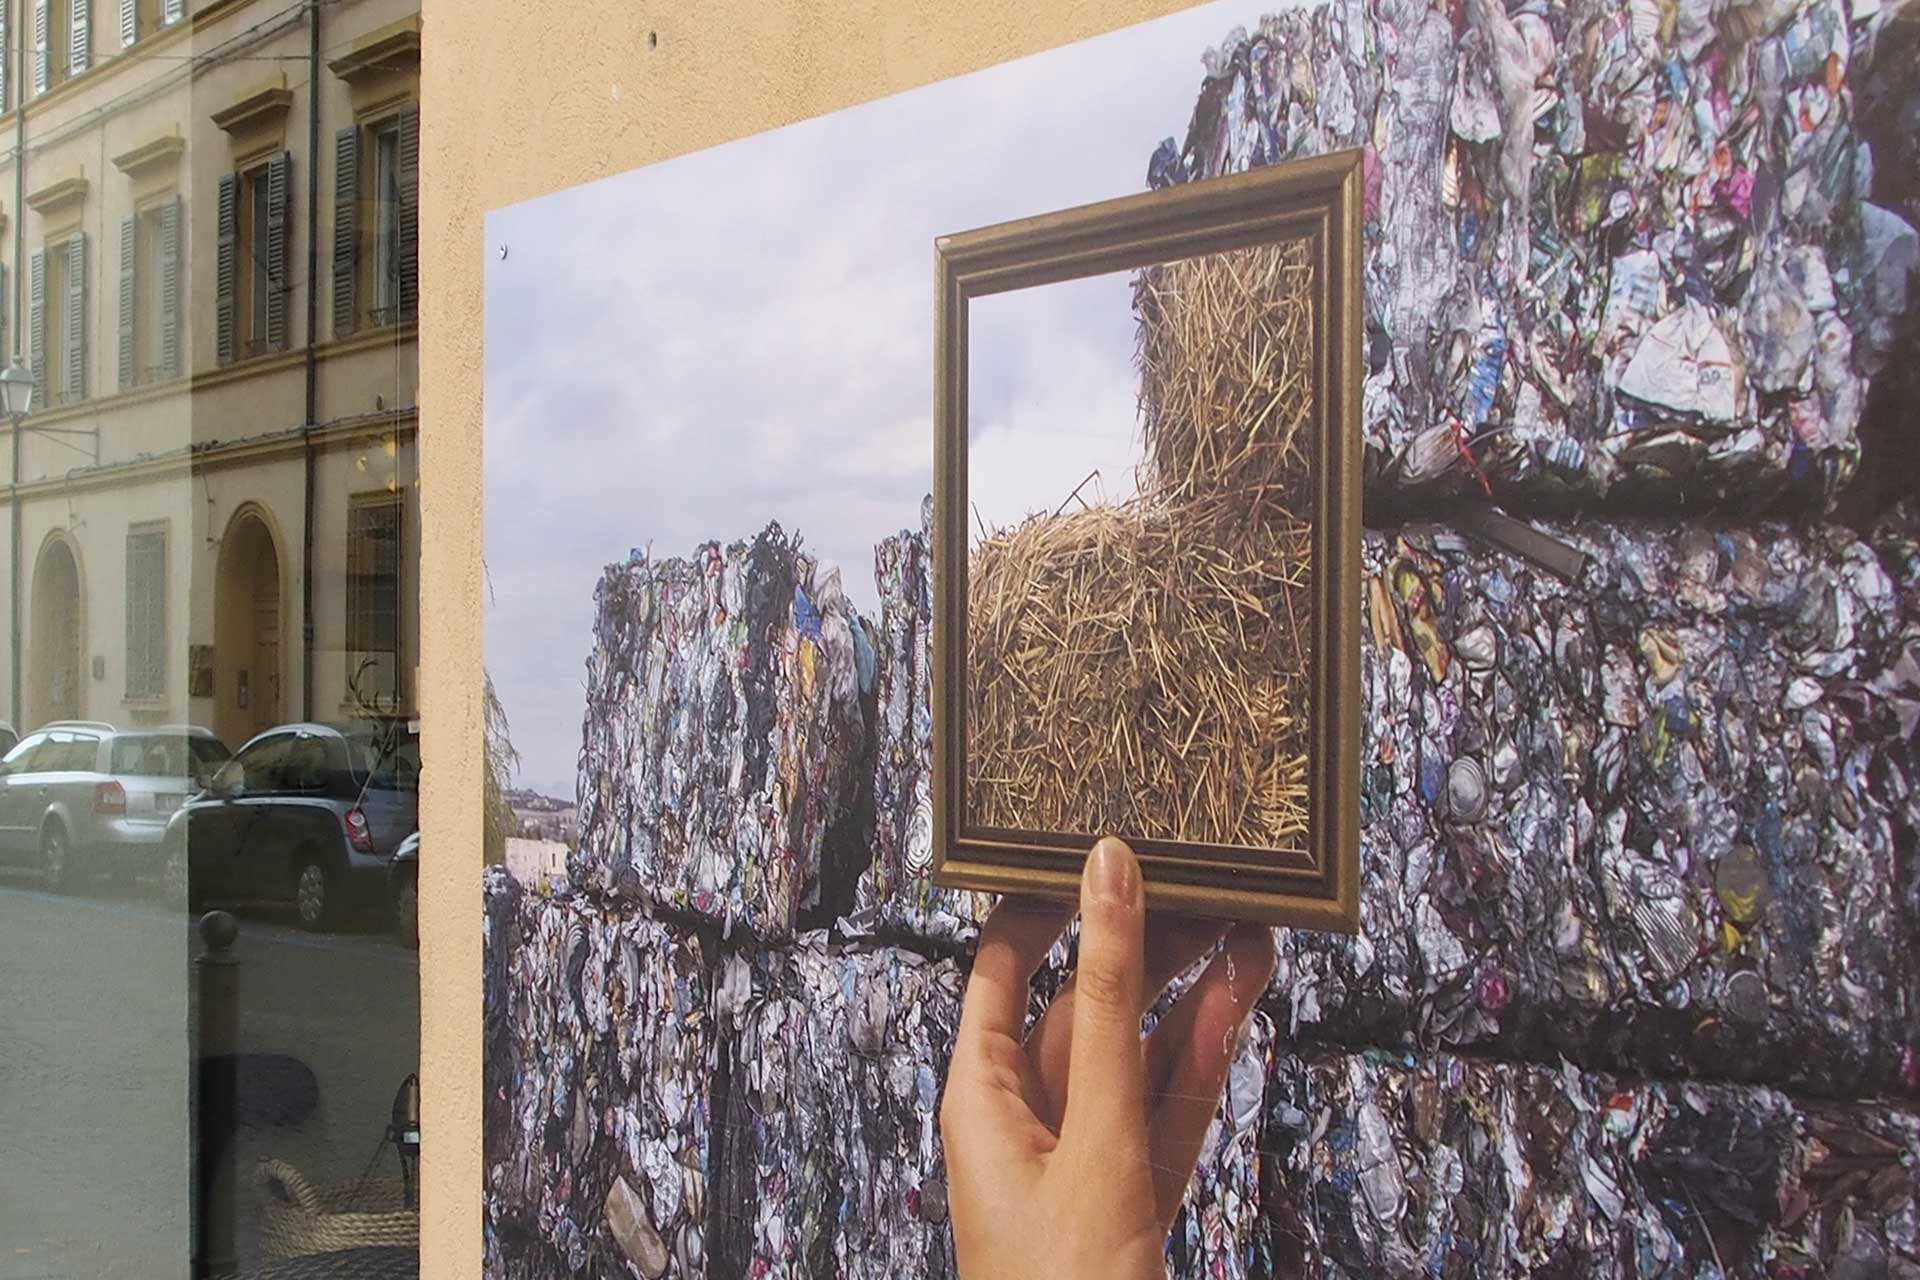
point(1637, 252)
point(1636, 990)
point(702, 1110)
point(725, 733)
point(1379, 1164)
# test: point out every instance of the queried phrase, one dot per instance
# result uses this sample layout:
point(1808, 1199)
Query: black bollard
point(216, 981)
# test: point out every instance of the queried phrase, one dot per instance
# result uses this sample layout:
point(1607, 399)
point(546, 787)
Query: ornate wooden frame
point(1318, 200)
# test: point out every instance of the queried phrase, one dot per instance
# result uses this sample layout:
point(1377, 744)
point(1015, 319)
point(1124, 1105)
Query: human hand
point(1069, 1149)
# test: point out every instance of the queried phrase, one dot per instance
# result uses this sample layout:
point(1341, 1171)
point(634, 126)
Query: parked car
point(9, 737)
point(306, 814)
point(403, 890)
point(80, 797)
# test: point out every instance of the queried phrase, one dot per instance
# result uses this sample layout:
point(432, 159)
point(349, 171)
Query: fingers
point(1013, 942)
point(1189, 1053)
point(1106, 1078)
point(1173, 944)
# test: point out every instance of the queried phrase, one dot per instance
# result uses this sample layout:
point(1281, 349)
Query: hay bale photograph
point(1138, 660)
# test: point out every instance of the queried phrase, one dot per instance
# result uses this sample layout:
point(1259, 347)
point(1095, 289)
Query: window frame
point(383, 223)
point(251, 302)
point(157, 637)
point(58, 248)
point(59, 41)
point(149, 297)
point(364, 591)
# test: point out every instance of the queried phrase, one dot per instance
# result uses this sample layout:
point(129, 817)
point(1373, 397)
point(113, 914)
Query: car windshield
point(170, 755)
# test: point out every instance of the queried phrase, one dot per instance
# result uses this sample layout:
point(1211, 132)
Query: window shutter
point(279, 180)
point(80, 47)
point(6, 55)
point(174, 11)
point(346, 232)
point(37, 324)
point(76, 317)
point(129, 22)
point(409, 219)
point(170, 288)
point(129, 254)
point(226, 270)
point(42, 56)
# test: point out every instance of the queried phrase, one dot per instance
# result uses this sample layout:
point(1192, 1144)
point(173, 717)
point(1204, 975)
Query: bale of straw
point(1224, 348)
point(1142, 669)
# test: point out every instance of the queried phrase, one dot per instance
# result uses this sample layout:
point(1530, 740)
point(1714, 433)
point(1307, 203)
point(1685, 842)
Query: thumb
point(1106, 1073)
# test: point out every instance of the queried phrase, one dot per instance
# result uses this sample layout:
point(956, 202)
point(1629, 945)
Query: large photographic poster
point(1634, 983)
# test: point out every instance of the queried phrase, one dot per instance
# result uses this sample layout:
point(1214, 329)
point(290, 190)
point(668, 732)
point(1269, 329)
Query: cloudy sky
point(689, 350)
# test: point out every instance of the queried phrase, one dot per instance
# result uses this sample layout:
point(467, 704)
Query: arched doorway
point(55, 692)
point(246, 642)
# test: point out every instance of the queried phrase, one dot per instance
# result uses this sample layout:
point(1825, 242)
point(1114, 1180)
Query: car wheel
point(56, 859)
point(406, 913)
point(313, 894)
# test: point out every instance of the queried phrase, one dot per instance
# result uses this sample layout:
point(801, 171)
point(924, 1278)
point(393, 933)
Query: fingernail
point(1112, 873)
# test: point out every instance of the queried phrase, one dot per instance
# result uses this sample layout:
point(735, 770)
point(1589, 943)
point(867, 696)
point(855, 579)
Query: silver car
point(80, 797)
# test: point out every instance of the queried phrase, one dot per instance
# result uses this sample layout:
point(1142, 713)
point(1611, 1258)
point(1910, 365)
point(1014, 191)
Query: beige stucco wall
point(520, 100)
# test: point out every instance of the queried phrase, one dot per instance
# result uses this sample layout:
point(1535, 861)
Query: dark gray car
point(306, 814)
point(79, 797)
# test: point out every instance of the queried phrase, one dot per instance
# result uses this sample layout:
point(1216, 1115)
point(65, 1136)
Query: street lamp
point(16, 391)
point(16, 397)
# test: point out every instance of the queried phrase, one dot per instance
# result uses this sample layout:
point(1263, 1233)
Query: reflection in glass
point(209, 787)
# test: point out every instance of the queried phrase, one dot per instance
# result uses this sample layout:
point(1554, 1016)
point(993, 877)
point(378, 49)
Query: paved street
point(94, 1150)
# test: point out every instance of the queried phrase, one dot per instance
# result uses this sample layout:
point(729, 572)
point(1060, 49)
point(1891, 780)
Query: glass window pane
point(181, 525)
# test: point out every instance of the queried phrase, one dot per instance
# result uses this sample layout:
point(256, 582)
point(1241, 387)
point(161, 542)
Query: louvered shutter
point(80, 47)
point(129, 301)
point(170, 288)
point(346, 232)
point(226, 269)
point(76, 317)
point(174, 11)
point(6, 55)
point(42, 56)
point(129, 22)
point(279, 285)
point(37, 324)
point(409, 213)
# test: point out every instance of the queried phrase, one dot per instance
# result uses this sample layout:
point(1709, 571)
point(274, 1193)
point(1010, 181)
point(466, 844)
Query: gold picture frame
point(1318, 201)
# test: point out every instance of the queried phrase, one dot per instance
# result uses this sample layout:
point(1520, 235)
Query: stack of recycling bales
point(724, 732)
point(1634, 992)
point(1624, 251)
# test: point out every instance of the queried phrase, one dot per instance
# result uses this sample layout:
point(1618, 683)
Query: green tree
point(501, 762)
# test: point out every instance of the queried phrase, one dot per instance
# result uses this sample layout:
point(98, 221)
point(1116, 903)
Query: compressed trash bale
point(606, 1016)
point(896, 894)
point(1646, 820)
point(838, 1058)
point(1220, 1231)
point(901, 1013)
point(1447, 1166)
point(724, 740)
point(1612, 252)
point(779, 1179)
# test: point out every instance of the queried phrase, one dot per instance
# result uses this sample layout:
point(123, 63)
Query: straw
point(1143, 668)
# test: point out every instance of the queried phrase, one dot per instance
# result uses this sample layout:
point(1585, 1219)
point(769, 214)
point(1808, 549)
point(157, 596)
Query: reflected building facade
point(208, 232)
